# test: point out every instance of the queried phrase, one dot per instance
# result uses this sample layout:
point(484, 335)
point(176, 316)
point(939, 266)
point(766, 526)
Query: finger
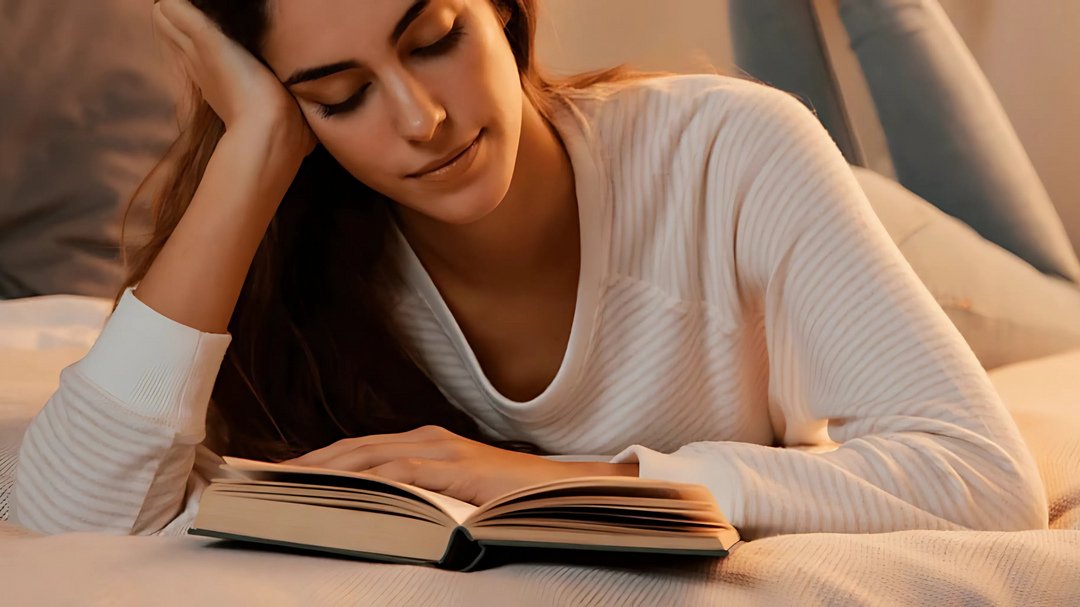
point(170, 33)
point(175, 47)
point(448, 478)
point(369, 456)
point(317, 457)
point(189, 19)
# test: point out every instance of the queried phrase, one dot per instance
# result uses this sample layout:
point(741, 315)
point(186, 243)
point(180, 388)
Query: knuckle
point(168, 7)
point(433, 431)
point(464, 488)
point(453, 449)
point(402, 466)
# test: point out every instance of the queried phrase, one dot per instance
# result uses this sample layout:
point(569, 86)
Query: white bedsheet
point(918, 567)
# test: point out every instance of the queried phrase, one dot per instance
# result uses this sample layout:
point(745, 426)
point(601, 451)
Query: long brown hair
point(315, 357)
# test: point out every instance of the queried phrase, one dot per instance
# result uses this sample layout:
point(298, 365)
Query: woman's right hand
point(243, 92)
point(197, 276)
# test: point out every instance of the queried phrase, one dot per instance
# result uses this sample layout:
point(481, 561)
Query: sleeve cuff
point(156, 367)
point(687, 466)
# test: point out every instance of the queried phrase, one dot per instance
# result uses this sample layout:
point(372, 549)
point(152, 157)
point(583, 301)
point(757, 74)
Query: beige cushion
point(1044, 398)
point(1006, 309)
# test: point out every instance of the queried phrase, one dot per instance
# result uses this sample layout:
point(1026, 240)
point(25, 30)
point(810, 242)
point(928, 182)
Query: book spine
point(463, 553)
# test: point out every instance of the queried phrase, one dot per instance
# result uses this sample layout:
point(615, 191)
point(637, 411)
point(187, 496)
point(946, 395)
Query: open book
point(362, 515)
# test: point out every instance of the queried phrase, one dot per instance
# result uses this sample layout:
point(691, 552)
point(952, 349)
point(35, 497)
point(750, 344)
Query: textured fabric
point(737, 293)
point(961, 569)
point(171, 385)
point(950, 140)
point(29, 376)
point(1006, 310)
point(9, 455)
point(84, 115)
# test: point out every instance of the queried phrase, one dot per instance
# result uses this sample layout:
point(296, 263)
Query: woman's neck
point(531, 238)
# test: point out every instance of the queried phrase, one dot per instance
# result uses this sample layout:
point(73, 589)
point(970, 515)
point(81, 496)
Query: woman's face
point(419, 99)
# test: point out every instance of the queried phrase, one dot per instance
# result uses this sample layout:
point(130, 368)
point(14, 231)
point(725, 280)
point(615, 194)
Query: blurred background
point(86, 107)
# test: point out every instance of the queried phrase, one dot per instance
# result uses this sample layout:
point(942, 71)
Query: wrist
point(605, 469)
point(279, 142)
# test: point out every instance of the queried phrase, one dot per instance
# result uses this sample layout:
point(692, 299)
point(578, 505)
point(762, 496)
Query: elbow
point(1013, 498)
point(1027, 508)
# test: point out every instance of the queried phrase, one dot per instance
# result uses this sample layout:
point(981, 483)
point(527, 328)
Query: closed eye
point(349, 104)
point(443, 45)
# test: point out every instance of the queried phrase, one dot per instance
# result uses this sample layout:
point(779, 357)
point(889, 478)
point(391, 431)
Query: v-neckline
point(576, 135)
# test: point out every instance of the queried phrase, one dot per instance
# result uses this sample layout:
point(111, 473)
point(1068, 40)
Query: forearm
point(197, 277)
point(87, 464)
point(876, 484)
point(860, 357)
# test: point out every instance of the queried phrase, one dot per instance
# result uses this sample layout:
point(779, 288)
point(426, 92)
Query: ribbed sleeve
point(113, 449)
point(863, 366)
point(159, 368)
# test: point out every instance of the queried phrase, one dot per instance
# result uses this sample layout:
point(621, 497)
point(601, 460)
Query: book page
point(456, 509)
point(628, 489)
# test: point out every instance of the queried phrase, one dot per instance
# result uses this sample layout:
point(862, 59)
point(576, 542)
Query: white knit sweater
point(743, 322)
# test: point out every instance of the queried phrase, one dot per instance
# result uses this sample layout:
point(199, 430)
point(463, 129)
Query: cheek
point(492, 77)
point(360, 146)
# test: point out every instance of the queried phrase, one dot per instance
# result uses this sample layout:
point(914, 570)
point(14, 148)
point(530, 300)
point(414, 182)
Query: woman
point(678, 273)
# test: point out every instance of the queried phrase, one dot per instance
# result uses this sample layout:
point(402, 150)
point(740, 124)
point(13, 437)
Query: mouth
point(456, 162)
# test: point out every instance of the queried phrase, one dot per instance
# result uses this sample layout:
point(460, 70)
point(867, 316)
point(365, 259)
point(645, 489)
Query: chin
point(473, 202)
point(468, 206)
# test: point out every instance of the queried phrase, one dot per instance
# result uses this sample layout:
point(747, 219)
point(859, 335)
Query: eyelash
point(351, 103)
point(441, 47)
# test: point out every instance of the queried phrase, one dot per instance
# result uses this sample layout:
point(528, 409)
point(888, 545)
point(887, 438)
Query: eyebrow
point(411, 15)
point(315, 73)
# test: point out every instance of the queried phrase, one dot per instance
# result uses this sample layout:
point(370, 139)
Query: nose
point(417, 115)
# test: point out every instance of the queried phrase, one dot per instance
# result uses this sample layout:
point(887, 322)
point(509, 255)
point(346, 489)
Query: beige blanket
point(910, 568)
point(918, 567)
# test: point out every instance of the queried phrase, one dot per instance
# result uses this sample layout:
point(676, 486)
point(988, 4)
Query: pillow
point(27, 380)
point(39, 336)
point(86, 112)
point(1043, 397)
point(1006, 309)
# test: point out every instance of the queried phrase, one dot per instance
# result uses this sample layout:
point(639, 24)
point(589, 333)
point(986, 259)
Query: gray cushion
point(949, 137)
point(779, 42)
point(1006, 309)
point(84, 115)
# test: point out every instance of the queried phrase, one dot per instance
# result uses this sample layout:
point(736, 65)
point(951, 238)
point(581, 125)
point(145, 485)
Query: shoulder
point(699, 105)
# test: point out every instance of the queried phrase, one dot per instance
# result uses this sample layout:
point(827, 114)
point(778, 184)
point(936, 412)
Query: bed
point(39, 336)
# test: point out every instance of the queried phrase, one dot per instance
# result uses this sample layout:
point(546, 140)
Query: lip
point(451, 165)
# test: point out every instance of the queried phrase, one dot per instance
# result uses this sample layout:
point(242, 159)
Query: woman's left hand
point(438, 460)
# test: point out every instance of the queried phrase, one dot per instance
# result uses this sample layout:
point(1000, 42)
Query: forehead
point(308, 33)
